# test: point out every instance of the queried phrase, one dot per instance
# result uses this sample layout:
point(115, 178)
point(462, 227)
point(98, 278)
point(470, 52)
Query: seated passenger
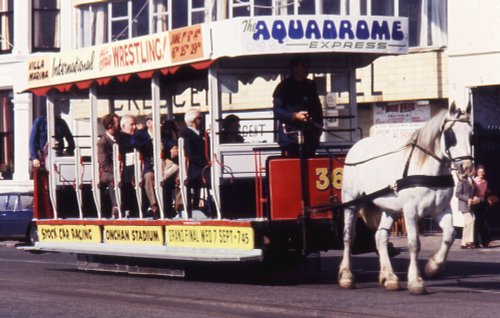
point(194, 147)
point(171, 167)
point(231, 130)
point(128, 125)
point(142, 140)
point(111, 123)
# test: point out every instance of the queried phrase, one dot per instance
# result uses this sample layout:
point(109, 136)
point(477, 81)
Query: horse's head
point(456, 138)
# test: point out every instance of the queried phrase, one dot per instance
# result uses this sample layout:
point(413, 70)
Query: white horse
point(414, 178)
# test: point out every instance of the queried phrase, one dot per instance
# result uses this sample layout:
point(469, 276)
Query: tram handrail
point(117, 179)
point(78, 180)
point(182, 177)
point(137, 182)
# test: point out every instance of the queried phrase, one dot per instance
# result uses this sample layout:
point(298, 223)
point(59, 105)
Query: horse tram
point(263, 206)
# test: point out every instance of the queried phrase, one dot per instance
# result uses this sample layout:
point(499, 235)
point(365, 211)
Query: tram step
point(152, 252)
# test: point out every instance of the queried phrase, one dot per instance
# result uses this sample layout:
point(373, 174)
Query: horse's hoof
point(346, 279)
point(392, 285)
point(432, 269)
point(347, 284)
point(417, 289)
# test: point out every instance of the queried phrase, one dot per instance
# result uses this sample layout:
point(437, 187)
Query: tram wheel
point(31, 235)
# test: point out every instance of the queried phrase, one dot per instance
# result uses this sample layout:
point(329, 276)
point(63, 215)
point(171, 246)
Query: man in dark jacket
point(38, 140)
point(297, 107)
point(111, 123)
point(128, 127)
point(194, 147)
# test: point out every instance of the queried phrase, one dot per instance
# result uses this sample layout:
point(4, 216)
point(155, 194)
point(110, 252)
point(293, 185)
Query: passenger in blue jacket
point(38, 140)
point(142, 140)
point(297, 107)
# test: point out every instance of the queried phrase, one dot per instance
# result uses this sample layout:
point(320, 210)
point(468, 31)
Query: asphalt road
point(49, 285)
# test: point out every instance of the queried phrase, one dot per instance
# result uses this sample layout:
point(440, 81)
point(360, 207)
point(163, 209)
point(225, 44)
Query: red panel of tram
point(285, 189)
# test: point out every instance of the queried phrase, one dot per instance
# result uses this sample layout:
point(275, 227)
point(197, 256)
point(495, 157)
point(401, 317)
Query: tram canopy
point(200, 45)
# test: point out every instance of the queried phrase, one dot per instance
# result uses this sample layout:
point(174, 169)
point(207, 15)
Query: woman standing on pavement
point(480, 210)
point(465, 194)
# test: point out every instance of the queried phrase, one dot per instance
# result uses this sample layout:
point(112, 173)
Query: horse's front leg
point(436, 262)
point(346, 278)
point(416, 285)
point(387, 278)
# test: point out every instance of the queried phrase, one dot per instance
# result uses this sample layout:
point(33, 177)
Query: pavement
point(9, 243)
point(431, 242)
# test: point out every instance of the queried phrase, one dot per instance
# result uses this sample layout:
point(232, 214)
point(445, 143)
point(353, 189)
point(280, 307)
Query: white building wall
point(11, 76)
point(474, 46)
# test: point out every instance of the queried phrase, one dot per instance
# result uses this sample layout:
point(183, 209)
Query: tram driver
point(297, 110)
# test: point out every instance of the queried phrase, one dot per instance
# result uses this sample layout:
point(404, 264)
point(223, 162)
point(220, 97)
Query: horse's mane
point(427, 137)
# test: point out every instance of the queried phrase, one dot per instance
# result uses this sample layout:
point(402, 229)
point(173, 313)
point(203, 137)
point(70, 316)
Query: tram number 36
point(325, 180)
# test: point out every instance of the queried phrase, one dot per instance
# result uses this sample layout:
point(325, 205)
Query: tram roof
point(238, 42)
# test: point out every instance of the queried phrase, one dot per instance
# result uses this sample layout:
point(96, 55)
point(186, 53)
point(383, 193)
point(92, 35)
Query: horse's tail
point(371, 214)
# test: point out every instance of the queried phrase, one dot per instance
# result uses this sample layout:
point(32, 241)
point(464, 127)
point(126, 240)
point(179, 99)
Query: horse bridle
point(447, 141)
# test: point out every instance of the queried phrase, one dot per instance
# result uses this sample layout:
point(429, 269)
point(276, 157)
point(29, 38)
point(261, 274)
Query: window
point(179, 14)
point(26, 201)
point(93, 24)
point(243, 8)
point(161, 14)
point(197, 12)
point(263, 7)
point(46, 24)
point(427, 18)
point(128, 19)
point(6, 135)
point(307, 7)
point(239, 8)
point(331, 6)
point(412, 10)
point(119, 20)
point(6, 26)
point(12, 203)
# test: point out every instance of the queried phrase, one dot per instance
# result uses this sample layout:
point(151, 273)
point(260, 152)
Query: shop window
point(6, 26)
point(6, 135)
point(46, 25)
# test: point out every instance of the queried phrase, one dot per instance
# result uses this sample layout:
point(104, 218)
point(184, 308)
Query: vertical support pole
point(352, 103)
point(158, 162)
point(183, 177)
point(138, 181)
point(215, 111)
point(50, 153)
point(96, 190)
point(117, 179)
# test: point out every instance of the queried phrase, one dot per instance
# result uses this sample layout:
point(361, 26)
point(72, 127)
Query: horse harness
point(441, 181)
